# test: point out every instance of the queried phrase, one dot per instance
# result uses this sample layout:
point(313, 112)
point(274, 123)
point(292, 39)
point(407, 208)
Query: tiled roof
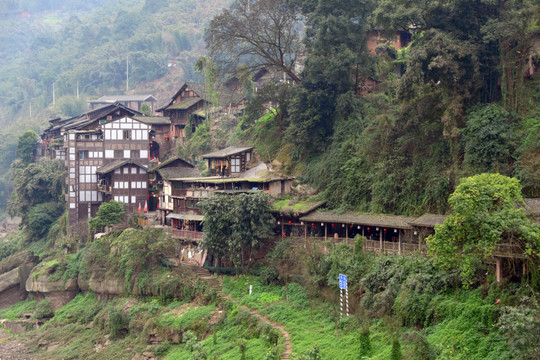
point(169, 161)
point(428, 220)
point(116, 164)
point(391, 221)
point(231, 150)
point(178, 172)
point(184, 105)
point(153, 120)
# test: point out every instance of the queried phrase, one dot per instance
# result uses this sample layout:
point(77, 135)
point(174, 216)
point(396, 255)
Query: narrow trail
point(215, 282)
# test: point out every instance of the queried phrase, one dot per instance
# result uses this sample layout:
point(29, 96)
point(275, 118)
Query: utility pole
point(127, 73)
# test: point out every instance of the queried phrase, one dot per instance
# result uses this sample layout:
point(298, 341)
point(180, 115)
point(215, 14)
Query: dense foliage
point(234, 226)
point(484, 214)
point(435, 113)
point(108, 214)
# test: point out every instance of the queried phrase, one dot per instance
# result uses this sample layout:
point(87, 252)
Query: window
point(127, 134)
point(144, 154)
point(134, 170)
point(127, 154)
point(178, 185)
point(118, 154)
point(109, 154)
point(135, 154)
point(235, 164)
point(83, 154)
point(248, 157)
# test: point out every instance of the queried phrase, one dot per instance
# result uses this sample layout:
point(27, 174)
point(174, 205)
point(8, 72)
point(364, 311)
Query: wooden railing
point(186, 234)
point(508, 251)
point(389, 247)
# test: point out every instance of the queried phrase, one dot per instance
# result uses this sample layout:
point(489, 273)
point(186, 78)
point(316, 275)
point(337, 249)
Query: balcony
point(105, 189)
point(186, 234)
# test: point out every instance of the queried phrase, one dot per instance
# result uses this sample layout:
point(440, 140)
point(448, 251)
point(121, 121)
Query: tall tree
point(484, 214)
point(337, 60)
point(38, 191)
point(260, 34)
point(234, 225)
point(253, 223)
point(26, 147)
point(217, 224)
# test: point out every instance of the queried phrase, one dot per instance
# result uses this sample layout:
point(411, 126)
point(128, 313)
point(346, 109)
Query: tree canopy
point(26, 147)
point(109, 213)
point(234, 225)
point(261, 34)
point(485, 212)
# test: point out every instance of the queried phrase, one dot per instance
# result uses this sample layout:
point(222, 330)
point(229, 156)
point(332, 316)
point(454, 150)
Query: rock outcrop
point(105, 287)
point(13, 274)
point(59, 292)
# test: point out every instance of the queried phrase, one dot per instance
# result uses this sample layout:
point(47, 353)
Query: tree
point(146, 110)
point(37, 183)
point(108, 214)
point(217, 224)
point(253, 222)
point(26, 147)
point(484, 214)
point(489, 139)
point(234, 225)
point(337, 61)
point(261, 34)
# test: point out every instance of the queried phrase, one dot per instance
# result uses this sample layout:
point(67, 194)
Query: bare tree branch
point(257, 34)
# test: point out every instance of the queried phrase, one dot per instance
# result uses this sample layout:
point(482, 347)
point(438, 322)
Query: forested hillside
point(84, 47)
point(457, 100)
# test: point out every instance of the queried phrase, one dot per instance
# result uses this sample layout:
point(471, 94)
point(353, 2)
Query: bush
point(118, 321)
point(44, 310)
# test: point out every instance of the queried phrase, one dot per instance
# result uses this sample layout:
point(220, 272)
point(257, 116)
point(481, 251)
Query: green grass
point(15, 312)
point(81, 309)
point(463, 326)
point(187, 320)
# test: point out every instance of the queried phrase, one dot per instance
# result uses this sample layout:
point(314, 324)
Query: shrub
point(44, 310)
point(117, 322)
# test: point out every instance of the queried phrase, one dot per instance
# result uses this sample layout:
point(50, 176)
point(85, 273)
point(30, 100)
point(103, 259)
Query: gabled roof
point(169, 173)
point(153, 120)
point(185, 104)
point(193, 86)
point(226, 96)
point(116, 164)
point(390, 221)
point(170, 162)
point(98, 114)
point(231, 150)
point(114, 98)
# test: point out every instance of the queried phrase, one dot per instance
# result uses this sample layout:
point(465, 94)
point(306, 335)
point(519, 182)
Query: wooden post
point(305, 235)
point(380, 238)
point(363, 231)
point(325, 231)
point(346, 234)
point(399, 241)
point(498, 270)
point(282, 228)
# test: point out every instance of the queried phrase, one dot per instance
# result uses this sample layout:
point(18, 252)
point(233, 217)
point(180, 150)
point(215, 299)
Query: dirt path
point(205, 275)
point(12, 348)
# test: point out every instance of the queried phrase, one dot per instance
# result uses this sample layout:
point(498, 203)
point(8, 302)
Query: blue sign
point(343, 281)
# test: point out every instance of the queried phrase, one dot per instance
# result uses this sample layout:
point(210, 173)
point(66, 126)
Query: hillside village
point(357, 182)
